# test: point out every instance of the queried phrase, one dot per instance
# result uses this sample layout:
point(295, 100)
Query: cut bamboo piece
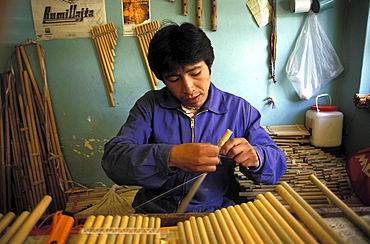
point(275, 238)
point(313, 223)
point(210, 231)
point(32, 219)
point(14, 227)
point(358, 221)
point(202, 230)
point(244, 233)
point(295, 225)
point(217, 229)
point(82, 238)
point(6, 220)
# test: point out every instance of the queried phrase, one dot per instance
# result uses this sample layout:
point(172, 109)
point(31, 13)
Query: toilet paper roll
point(300, 6)
point(321, 5)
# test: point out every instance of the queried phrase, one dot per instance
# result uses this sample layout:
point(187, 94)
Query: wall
point(86, 121)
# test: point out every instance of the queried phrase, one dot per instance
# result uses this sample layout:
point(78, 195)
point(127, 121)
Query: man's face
point(190, 84)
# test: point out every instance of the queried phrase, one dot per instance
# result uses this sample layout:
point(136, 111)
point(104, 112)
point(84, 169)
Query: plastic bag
point(313, 62)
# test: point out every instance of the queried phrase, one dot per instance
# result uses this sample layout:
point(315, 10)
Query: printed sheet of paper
point(134, 12)
point(261, 10)
point(55, 19)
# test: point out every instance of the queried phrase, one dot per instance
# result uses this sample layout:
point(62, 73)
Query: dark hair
point(174, 46)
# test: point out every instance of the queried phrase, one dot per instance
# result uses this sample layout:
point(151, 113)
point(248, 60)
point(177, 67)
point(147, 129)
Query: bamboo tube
point(217, 229)
point(210, 232)
point(275, 238)
point(195, 230)
point(296, 226)
point(244, 233)
point(275, 225)
point(14, 227)
point(213, 15)
point(358, 221)
point(151, 225)
point(184, 4)
point(189, 232)
point(32, 219)
point(224, 227)
point(231, 226)
point(115, 223)
point(143, 239)
point(124, 223)
point(182, 234)
point(311, 222)
point(97, 223)
point(199, 13)
point(82, 238)
point(131, 224)
point(202, 230)
point(191, 193)
point(157, 226)
point(6, 220)
point(256, 224)
point(138, 224)
point(102, 239)
point(252, 230)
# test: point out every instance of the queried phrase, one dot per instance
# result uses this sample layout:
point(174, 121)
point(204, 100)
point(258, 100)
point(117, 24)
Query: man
point(171, 135)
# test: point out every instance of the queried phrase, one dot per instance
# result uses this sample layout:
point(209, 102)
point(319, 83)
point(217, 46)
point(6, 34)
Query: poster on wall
point(64, 19)
point(134, 12)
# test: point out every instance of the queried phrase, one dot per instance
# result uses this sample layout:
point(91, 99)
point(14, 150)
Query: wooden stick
point(32, 219)
point(358, 221)
point(191, 192)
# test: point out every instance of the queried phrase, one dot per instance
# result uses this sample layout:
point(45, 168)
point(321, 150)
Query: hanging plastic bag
point(313, 62)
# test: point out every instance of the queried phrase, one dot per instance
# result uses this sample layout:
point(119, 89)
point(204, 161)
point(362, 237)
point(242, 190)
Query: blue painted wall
point(86, 121)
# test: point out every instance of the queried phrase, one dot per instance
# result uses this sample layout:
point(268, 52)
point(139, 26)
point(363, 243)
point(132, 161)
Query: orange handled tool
point(62, 226)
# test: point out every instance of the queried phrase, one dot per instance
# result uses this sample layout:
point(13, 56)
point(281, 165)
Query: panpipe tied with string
point(145, 33)
point(105, 37)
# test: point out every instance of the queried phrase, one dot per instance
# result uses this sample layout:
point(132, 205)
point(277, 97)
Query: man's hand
point(194, 157)
point(241, 151)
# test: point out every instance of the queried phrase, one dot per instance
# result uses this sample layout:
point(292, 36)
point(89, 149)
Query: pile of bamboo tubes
point(105, 37)
point(265, 220)
point(145, 33)
point(302, 161)
point(32, 163)
point(15, 230)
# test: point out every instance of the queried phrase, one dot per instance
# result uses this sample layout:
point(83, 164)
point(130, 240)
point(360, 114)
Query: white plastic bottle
point(325, 124)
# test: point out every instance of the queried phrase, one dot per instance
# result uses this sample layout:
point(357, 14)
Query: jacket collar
point(215, 102)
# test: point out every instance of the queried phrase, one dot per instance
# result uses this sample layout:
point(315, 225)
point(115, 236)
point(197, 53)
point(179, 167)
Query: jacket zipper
point(192, 125)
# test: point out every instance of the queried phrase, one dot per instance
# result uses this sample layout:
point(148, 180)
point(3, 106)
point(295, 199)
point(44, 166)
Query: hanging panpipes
point(32, 163)
point(105, 37)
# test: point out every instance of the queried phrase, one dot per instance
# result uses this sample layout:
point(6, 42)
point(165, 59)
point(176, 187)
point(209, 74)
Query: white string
point(165, 193)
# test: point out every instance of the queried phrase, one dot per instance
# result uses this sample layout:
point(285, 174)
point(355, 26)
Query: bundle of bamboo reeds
point(33, 164)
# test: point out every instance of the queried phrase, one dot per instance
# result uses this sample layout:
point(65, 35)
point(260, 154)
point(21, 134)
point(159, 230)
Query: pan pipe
point(145, 34)
point(265, 220)
point(105, 37)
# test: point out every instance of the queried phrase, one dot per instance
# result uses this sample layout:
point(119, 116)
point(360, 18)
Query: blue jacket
point(138, 155)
